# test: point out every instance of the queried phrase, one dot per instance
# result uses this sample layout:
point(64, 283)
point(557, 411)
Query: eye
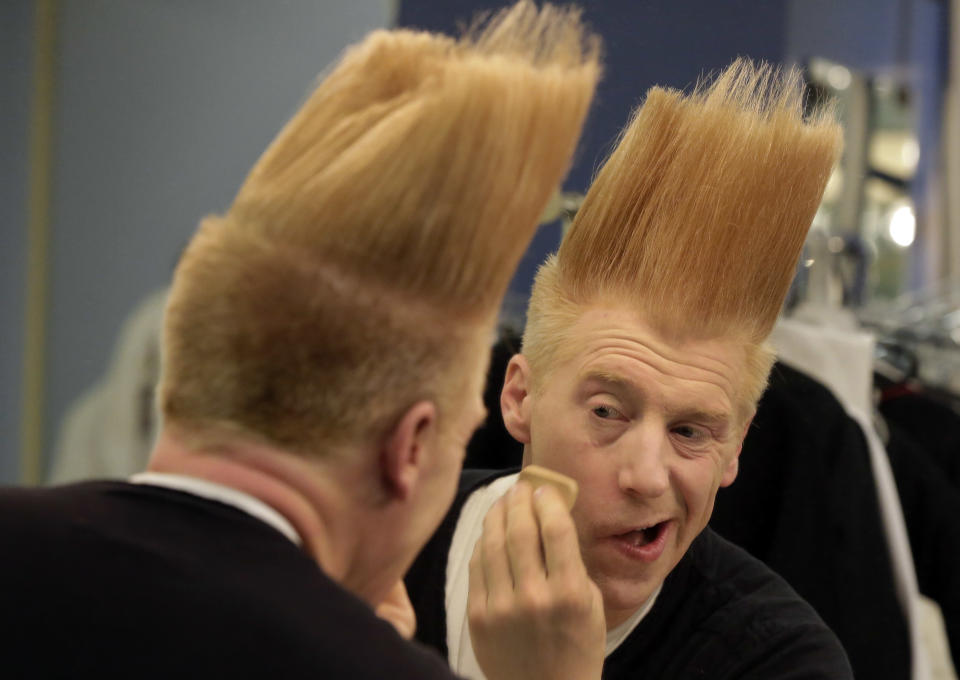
point(690, 432)
point(605, 412)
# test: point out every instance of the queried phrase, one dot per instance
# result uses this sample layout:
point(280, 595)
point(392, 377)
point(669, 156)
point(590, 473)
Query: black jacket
point(108, 579)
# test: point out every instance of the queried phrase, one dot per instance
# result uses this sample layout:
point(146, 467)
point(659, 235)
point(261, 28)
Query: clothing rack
point(920, 334)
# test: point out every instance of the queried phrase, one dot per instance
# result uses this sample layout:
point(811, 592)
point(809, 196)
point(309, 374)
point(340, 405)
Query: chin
point(627, 596)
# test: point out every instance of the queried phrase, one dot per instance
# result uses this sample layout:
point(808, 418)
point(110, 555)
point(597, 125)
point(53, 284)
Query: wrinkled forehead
point(606, 340)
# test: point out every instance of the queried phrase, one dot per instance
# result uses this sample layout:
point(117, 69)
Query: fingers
point(558, 534)
point(523, 538)
point(528, 538)
point(532, 609)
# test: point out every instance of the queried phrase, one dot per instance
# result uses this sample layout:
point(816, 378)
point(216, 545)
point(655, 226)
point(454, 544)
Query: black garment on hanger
point(805, 503)
point(931, 508)
point(930, 419)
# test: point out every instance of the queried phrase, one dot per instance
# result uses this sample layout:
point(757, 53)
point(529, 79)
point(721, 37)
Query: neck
point(303, 491)
point(618, 616)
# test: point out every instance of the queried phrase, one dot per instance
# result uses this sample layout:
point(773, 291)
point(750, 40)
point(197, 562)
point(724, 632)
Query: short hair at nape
point(372, 242)
point(698, 217)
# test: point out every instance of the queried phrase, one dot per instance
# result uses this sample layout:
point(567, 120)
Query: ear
point(733, 467)
point(515, 399)
point(402, 455)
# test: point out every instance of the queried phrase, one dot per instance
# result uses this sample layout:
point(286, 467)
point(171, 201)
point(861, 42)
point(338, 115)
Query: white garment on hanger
point(110, 430)
point(840, 359)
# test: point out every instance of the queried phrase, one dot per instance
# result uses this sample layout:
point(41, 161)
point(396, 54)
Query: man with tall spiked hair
point(326, 342)
point(642, 362)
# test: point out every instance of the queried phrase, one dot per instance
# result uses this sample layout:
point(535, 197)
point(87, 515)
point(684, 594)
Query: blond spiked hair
point(697, 218)
point(370, 246)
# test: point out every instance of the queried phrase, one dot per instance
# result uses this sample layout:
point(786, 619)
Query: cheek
point(551, 438)
point(698, 482)
point(559, 441)
point(560, 446)
point(592, 470)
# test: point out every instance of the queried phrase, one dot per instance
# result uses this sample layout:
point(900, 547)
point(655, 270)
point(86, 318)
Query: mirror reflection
point(128, 121)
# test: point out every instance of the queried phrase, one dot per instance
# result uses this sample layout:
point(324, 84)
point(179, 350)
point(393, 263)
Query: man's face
point(648, 430)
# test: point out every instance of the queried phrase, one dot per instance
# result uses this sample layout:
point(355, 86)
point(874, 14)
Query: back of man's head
point(371, 244)
point(696, 220)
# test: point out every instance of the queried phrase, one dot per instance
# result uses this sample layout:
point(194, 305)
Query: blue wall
point(161, 108)
point(16, 58)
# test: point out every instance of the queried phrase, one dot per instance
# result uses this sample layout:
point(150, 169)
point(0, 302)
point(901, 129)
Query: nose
point(643, 470)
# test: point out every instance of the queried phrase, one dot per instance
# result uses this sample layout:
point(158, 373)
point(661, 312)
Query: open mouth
point(642, 537)
point(646, 544)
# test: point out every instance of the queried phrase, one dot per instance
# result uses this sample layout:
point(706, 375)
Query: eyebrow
point(717, 419)
point(609, 379)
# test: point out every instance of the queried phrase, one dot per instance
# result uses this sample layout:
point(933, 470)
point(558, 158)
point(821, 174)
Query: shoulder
point(230, 595)
point(762, 626)
point(26, 511)
point(723, 614)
